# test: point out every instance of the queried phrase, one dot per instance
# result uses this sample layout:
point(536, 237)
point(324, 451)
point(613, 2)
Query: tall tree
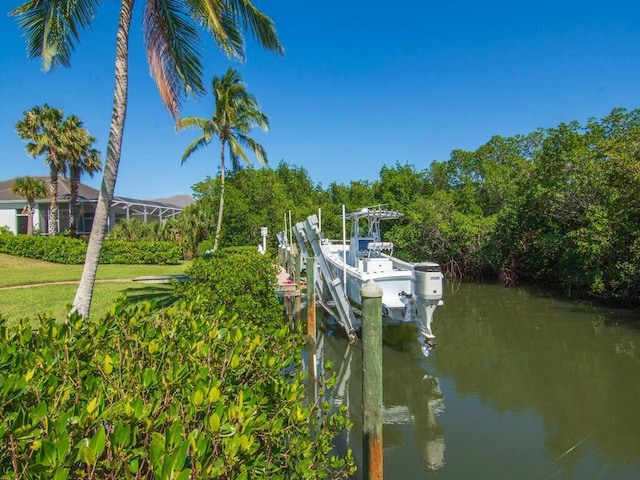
point(43, 128)
point(170, 30)
point(29, 188)
point(82, 158)
point(236, 112)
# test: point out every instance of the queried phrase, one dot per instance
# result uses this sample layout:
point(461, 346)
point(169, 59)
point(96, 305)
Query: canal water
point(520, 386)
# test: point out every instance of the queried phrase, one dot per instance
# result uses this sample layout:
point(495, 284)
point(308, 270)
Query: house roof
point(85, 193)
point(64, 191)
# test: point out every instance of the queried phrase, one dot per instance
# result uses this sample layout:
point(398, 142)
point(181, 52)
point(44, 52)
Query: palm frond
point(257, 149)
point(261, 26)
point(237, 152)
point(53, 27)
point(194, 146)
point(216, 18)
point(172, 42)
point(192, 122)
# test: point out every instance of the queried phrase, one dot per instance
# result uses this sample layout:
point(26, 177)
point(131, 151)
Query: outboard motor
point(427, 286)
point(427, 281)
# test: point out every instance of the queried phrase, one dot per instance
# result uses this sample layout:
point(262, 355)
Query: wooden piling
point(296, 280)
point(311, 299)
point(297, 267)
point(372, 380)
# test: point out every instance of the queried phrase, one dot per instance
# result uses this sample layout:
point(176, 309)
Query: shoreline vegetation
point(210, 384)
point(555, 208)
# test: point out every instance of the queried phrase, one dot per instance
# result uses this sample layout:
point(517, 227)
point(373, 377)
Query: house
point(12, 216)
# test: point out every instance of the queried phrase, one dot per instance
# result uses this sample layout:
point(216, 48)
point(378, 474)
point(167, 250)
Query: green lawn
point(25, 271)
point(54, 299)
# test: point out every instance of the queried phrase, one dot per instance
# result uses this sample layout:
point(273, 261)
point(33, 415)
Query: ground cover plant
point(191, 391)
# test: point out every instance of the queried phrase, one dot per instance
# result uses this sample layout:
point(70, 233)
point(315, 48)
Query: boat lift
point(308, 233)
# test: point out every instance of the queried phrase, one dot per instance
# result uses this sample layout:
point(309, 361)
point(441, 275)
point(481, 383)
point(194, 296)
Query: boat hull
point(396, 283)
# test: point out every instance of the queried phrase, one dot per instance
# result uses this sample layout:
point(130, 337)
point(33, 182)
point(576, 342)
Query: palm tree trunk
point(82, 300)
point(53, 198)
point(221, 207)
point(29, 208)
point(74, 179)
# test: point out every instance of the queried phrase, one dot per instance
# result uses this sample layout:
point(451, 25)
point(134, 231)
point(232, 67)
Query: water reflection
point(428, 432)
point(535, 387)
point(566, 362)
point(412, 399)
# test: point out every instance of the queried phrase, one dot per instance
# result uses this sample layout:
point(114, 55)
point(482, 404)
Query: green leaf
point(157, 450)
point(244, 443)
point(235, 361)
point(184, 475)
point(87, 455)
point(107, 364)
point(48, 454)
point(153, 347)
point(92, 406)
point(63, 445)
point(121, 435)
point(214, 394)
point(214, 422)
point(198, 398)
point(97, 442)
point(180, 456)
point(148, 377)
point(137, 408)
point(60, 474)
point(132, 465)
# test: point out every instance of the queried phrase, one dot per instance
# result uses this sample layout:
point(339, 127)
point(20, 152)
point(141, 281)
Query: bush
point(204, 246)
point(241, 282)
point(143, 252)
point(180, 393)
point(72, 251)
point(57, 249)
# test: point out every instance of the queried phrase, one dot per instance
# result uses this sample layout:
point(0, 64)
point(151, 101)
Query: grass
point(55, 299)
point(25, 271)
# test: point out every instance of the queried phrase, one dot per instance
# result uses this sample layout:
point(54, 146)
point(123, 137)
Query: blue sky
point(363, 84)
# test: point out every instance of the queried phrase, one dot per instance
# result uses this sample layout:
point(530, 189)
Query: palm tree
point(82, 158)
point(43, 128)
point(29, 188)
point(236, 111)
point(170, 30)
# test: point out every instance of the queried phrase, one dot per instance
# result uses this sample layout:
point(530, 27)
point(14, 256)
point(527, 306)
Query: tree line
point(557, 207)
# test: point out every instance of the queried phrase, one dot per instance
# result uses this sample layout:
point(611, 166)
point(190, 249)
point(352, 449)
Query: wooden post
point(311, 299)
point(297, 268)
point(296, 278)
point(372, 380)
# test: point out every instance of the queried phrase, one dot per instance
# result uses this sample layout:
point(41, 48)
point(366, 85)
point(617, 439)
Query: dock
point(286, 285)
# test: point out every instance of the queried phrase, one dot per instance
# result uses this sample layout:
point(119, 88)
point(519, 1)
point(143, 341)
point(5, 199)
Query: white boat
point(411, 291)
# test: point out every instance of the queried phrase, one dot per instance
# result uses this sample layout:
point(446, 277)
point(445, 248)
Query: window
point(22, 222)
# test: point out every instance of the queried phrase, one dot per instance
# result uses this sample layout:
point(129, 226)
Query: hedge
point(71, 251)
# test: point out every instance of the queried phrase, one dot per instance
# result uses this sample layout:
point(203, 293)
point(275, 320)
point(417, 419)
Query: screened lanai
point(13, 217)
